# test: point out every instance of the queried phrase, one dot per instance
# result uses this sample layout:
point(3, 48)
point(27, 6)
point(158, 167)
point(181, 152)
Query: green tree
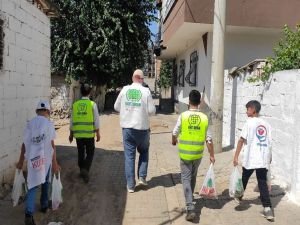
point(165, 75)
point(287, 54)
point(102, 41)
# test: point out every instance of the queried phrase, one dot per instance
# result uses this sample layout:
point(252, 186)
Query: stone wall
point(25, 76)
point(280, 100)
point(60, 100)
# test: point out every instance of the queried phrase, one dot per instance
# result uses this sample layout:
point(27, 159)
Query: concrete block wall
point(280, 102)
point(25, 76)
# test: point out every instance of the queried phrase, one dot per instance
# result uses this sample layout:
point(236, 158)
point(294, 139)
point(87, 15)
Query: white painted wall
point(204, 68)
point(280, 99)
point(241, 48)
point(25, 77)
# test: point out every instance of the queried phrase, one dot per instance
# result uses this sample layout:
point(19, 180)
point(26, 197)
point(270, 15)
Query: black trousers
point(261, 176)
point(86, 149)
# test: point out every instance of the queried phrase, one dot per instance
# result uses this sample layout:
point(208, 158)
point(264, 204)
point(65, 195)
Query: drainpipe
point(217, 74)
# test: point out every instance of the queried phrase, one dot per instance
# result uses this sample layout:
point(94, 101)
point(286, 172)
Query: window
point(191, 77)
point(181, 73)
point(175, 75)
point(1, 43)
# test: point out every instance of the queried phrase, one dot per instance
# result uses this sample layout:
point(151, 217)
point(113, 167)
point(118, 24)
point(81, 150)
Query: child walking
point(256, 136)
point(39, 150)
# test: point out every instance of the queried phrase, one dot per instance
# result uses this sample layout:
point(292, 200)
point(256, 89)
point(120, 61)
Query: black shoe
point(29, 220)
point(44, 210)
point(85, 175)
point(190, 215)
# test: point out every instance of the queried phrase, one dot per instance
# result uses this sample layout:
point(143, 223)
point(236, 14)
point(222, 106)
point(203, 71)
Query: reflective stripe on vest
point(83, 119)
point(192, 135)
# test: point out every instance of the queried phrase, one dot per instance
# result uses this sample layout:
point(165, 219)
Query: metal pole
point(217, 73)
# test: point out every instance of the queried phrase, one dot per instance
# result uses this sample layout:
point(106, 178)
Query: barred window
point(181, 73)
point(175, 74)
point(1, 43)
point(191, 77)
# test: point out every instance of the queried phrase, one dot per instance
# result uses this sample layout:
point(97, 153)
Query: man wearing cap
point(38, 149)
point(135, 104)
point(83, 126)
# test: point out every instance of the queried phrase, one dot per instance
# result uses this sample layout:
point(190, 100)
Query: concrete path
point(105, 200)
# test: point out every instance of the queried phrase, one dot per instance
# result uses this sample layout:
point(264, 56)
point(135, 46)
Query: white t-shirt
point(135, 104)
point(38, 135)
point(257, 148)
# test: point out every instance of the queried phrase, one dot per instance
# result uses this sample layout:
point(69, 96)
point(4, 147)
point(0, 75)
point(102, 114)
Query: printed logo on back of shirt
point(261, 134)
point(133, 97)
point(37, 162)
point(38, 139)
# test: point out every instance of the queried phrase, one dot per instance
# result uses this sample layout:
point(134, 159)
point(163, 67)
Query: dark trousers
point(86, 149)
point(261, 175)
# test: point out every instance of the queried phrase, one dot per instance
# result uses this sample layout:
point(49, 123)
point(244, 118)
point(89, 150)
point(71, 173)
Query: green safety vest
point(83, 119)
point(192, 135)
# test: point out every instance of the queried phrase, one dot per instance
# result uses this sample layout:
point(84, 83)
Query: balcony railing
point(167, 9)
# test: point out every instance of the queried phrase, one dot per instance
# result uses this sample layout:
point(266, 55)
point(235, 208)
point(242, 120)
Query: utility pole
point(217, 74)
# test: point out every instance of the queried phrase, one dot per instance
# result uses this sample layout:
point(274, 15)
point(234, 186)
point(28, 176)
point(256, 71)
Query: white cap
point(43, 104)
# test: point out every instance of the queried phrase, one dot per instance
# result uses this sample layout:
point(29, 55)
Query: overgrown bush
point(287, 55)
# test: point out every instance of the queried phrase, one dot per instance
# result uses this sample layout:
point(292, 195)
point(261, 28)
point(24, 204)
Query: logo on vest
point(261, 134)
point(81, 109)
point(133, 96)
point(194, 122)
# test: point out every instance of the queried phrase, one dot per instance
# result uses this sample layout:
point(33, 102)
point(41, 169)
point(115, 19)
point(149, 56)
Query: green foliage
point(287, 55)
point(165, 76)
point(101, 40)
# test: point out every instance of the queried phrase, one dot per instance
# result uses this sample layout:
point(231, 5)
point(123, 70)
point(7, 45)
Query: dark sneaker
point(268, 213)
point(29, 220)
point(44, 210)
point(142, 181)
point(85, 175)
point(190, 215)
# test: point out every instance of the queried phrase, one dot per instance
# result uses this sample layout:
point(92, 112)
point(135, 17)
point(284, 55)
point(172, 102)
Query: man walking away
point(135, 104)
point(83, 126)
point(191, 130)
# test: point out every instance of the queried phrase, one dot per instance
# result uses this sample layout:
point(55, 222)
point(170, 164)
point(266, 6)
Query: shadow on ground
point(276, 195)
point(101, 201)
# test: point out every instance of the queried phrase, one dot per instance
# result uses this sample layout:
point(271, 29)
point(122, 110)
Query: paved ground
point(105, 201)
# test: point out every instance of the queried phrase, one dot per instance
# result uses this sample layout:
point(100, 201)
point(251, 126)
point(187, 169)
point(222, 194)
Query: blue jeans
point(135, 140)
point(30, 197)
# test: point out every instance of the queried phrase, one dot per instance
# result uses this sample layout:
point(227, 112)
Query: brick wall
point(280, 101)
point(25, 76)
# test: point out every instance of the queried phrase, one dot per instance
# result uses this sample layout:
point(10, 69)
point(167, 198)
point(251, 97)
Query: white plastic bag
point(17, 191)
point(236, 188)
point(55, 223)
point(208, 188)
point(56, 196)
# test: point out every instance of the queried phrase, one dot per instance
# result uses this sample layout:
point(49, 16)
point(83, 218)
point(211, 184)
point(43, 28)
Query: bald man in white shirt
point(135, 105)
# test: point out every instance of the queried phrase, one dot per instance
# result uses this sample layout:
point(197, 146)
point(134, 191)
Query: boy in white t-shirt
point(39, 150)
point(256, 136)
